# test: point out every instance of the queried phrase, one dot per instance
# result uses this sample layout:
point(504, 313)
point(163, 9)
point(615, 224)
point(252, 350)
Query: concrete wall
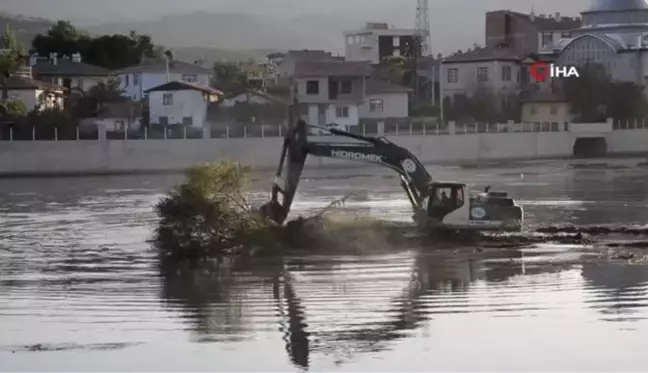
point(127, 156)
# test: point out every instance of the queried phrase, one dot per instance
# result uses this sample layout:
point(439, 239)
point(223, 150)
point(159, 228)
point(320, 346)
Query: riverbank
point(124, 157)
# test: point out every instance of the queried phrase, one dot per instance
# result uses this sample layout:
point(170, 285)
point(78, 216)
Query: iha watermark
point(540, 71)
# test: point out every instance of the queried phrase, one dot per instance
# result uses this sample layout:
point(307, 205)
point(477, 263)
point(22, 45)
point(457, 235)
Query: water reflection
point(621, 290)
point(340, 307)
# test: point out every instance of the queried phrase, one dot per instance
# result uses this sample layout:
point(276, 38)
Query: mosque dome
point(617, 5)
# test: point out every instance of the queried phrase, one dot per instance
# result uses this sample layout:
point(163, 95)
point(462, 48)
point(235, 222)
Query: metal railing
point(274, 131)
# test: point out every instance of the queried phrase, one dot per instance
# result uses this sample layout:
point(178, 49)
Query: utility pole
point(421, 43)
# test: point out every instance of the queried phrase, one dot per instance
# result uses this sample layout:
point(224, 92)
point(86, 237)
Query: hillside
point(26, 28)
point(241, 31)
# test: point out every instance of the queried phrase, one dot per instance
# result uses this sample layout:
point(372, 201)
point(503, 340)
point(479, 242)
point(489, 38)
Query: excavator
point(437, 206)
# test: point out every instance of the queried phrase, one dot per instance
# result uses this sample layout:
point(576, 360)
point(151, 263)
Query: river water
point(79, 289)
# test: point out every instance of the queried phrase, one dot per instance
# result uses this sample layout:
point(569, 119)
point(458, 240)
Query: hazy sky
point(465, 18)
point(104, 10)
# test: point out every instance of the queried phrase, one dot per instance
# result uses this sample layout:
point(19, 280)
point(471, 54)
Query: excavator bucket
point(291, 165)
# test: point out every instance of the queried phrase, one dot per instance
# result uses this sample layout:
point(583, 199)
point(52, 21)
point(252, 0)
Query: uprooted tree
point(208, 215)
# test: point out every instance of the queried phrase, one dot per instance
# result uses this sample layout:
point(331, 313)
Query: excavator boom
point(414, 177)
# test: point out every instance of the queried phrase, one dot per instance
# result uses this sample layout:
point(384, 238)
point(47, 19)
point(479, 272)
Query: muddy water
point(79, 290)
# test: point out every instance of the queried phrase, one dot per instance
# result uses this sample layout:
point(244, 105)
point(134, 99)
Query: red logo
point(539, 71)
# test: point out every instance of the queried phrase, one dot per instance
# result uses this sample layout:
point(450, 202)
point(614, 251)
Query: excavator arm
point(415, 180)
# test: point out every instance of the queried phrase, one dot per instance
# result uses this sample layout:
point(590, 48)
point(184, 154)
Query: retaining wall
point(133, 156)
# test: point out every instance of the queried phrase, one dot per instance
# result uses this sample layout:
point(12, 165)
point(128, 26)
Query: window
point(376, 106)
point(547, 38)
point(397, 41)
point(532, 110)
point(396, 53)
point(506, 73)
point(164, 121)
point(190, 78)
point(312, 87)
point(345, 86)
point(187, 121)
point(453, 75)
point(167, 99)
point(135, 79)
point(126, 80)
point(79, 83)
point(554, 110)
point(342, 111)
point(566, 35)
point(482, 74)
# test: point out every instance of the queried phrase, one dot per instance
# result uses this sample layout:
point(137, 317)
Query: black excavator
point(437, 206)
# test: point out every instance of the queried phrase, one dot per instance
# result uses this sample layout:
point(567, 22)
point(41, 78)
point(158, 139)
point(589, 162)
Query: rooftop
point(485, 54)
point(67, 67)
point(183, 86)
point(310, 55)
point(305, 69)
point(555, 22)
point(616, 5)
point(22, 83)
point(159, 65)
point(375, 86)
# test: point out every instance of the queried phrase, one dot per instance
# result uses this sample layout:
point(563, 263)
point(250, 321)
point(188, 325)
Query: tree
point(92, 102)
point(593, 97)
point(108, 51)
point(12, 109)
point(11, 59)
point(230, 78)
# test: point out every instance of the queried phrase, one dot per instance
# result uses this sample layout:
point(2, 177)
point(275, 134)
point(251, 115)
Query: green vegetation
point(593, 97)
point(209, 216)
point(109, 51)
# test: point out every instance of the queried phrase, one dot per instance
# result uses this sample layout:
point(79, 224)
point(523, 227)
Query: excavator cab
point(444, 199)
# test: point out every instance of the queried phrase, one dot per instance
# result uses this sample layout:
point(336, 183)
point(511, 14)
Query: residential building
point(68, 71)
point(331, 92)
point(120, 116)
point(180, 102)
point(384, 102)
point(35, 94)
point(151, 73)
point(527, 33)
point(496, 69)
point(285, 66)
point(343, 94)
point(254, 97)
point(376, 41)
point(544, 107)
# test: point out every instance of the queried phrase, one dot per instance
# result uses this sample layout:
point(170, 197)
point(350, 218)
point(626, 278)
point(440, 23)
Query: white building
point(496, 69)
point(376, 41)
point(342, 94)
point(68, 71)
point(34, 94)
point(136, 80)
point(181, 103)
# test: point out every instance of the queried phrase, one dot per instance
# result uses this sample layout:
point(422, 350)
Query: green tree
point(108, 51)
point(593, 97)
point(92, 102)
point(230, 78)
point(11, 59)
point(12, 109)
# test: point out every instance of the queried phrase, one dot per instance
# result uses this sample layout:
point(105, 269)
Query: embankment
point(41, 158)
